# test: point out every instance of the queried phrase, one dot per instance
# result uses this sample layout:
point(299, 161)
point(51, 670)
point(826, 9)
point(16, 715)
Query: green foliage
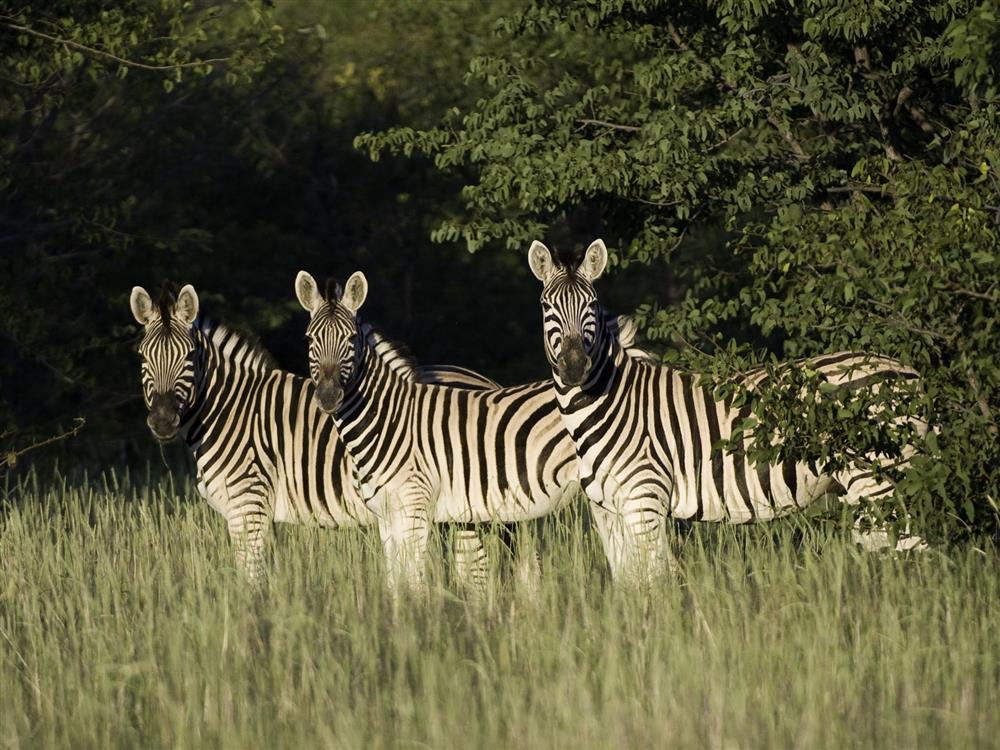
point(123, 623)
point(233, 180)
point(84, 161)
point(847, 150)
point(802, 178)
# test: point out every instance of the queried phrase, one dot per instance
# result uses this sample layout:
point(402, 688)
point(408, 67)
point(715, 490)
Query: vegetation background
point(774, 179)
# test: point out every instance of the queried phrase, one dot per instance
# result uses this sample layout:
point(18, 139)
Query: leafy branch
point(93, 51)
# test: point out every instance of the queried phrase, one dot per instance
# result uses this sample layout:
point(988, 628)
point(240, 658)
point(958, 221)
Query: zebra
point(264, 453)
point(645, 434)
point(428, 452)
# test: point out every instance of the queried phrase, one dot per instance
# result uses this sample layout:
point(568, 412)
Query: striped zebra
point(264, 452)
point(430, 453)
point(645, 434)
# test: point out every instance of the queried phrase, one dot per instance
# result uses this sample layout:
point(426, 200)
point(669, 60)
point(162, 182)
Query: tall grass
point(123, 624)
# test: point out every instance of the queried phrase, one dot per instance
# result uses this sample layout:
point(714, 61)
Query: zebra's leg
point(249, 528)
point(611, 531)
point(527, 564)
point(861, 487)
point(471, 563)
point(635, 539)
point(404, 526)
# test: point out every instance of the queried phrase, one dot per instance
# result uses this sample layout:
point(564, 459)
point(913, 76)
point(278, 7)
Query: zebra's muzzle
point(163, 419)
point(329, 395)
point(573, 364)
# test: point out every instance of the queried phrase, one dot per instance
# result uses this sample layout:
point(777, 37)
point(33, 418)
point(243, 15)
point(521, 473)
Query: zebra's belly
point(502, 506)
point(322, 511)
point(732, 491)
point(726, 488)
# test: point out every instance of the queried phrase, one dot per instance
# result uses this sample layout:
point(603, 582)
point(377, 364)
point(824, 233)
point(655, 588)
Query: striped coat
point(430, 453)
point(646, 435)
point(264, 453)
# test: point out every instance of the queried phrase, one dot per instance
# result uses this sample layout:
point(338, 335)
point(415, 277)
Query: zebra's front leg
point(249, 528)
point(527, 563)
point(635, 539)
point(470, 561)
point(404, 526)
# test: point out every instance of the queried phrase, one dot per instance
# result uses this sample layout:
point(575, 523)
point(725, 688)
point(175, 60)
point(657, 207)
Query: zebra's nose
point(573, 364)
point(329, 395)
point(163, 418)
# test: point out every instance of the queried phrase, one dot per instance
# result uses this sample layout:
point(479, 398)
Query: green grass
point(123, 624)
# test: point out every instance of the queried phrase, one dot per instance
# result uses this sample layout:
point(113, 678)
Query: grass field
point(123, 624)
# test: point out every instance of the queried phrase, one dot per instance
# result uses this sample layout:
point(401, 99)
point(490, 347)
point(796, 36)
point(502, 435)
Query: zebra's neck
point(372, 419)
point(394, 354)
point(228, 364)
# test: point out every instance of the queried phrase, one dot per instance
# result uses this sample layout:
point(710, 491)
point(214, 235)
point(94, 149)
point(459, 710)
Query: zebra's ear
point(141, 304)
point(595, 260)
point(540, 261)
point(307, 292)
point(186, 306)
point(355, 292)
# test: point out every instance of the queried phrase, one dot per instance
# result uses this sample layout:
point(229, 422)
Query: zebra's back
point(661, 431)
point(487, 455)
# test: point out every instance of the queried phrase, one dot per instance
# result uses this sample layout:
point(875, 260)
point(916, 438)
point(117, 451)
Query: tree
point(84, 90)
point(848, 150)
point(211, 143)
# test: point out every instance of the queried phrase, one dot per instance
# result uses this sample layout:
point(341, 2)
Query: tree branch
point(880, 189)
point(658, 204)
point(10, 458)
point(611, 125)
point(975, 294)
point(101, 53)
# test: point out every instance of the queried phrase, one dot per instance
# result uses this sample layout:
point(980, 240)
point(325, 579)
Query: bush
point(845, 156)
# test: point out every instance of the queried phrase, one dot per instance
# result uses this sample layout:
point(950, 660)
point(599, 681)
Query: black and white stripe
point(264, 452)
point(646, 434)
point(429, 453)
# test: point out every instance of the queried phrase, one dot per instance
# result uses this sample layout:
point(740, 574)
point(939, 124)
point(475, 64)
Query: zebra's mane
point(165, 301)
point(395, 354)
point(231, 341)
point(332, 290)
point(401, 360)
point(626, 330)
point(569, 258)
point(622, 327)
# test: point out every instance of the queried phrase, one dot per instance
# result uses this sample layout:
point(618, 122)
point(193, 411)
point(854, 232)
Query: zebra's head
point(334, 341)
point(570, 312)
point(167, 353)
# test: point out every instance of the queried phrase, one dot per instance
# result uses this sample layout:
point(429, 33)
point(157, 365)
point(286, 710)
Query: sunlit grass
point(123, 623)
